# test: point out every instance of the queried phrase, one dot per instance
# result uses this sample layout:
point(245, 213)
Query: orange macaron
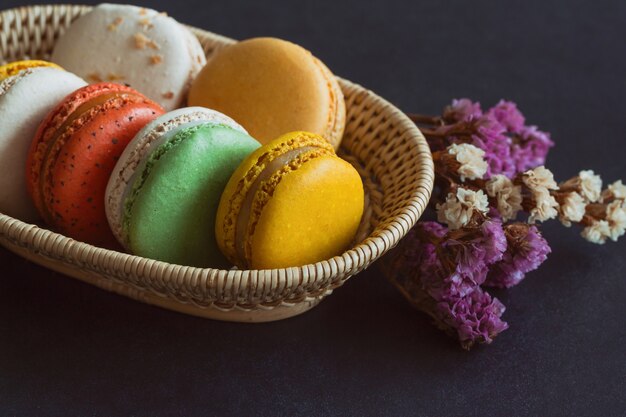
point(74, 151)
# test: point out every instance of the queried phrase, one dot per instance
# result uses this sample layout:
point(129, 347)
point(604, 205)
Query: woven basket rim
point(371, 248)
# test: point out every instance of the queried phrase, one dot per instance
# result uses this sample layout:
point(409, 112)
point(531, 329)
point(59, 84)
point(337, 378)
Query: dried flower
point(489, 135)
point(420, 269)
point(544, 206)
point(597, 232)
point(539, 181)
point(474, 249)
point(472, 165)
point(530, 148)
point(539, 178)
point(459, 208)
point(475, 317)
point(571, 208)
point(590, 185)
point(586, 183)
point(616, 216)
point(615, 191)
point(507, 114)
point(462, 110)
point(526, 251)
point(507, 195)
point(493, 152)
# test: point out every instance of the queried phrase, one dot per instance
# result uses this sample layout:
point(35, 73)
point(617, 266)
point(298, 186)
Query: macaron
point(142, 48)
point(272, 86)
point(290, 203)
point(14, 68)
point(163, 194)
point(28, 91)
point(74, 151)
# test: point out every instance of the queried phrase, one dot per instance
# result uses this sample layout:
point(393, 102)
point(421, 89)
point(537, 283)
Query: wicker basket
point(380, 141)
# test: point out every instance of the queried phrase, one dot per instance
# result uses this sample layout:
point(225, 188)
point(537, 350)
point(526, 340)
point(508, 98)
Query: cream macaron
point(25, 99)
point(147, 50)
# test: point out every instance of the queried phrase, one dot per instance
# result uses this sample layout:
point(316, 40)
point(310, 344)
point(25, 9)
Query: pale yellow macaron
point(271, 86)
point(290, 203)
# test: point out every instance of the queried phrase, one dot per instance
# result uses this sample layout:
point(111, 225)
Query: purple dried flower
point(475, 317)
point(440, 272)
point(489, 135)
point(510, 146)
point(508, 115)
point(530, 148)
point(526, 250)
point(462, 110)
point(473, 249)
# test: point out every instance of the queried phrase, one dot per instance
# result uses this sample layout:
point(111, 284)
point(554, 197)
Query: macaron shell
point(127, 44)
point(80, 173)
point(22, 108)
point(313, 215)
point(270, 86)
point(14, 68)
point(173, 213)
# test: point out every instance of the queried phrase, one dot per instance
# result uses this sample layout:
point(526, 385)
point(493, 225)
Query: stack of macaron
point(99, 144)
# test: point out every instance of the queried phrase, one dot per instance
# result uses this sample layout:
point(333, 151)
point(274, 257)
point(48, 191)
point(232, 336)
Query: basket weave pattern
point(382, 143)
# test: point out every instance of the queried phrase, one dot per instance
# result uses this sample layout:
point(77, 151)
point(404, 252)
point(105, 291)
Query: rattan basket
point(380, 141)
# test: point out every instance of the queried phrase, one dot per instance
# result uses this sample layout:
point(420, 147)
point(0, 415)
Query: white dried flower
point(508, 196)
point(590, 185)
point(617, 191)
point(616, 216)
point(572, 208)
point(473, 165)
point(459, 208)
point(538, 178)
point(545, 206)
point(597, 232)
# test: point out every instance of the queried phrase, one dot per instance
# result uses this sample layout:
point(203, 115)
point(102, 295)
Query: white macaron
point(147, 50)
point(25, 99)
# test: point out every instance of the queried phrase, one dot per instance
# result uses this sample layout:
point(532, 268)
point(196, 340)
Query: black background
point(67, 348)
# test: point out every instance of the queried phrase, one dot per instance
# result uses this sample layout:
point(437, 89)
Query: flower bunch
point(491, 192)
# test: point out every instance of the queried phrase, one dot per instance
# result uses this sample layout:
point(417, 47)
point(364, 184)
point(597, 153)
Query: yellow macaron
point(271, 86)
point(13, 68)
point(291, 202)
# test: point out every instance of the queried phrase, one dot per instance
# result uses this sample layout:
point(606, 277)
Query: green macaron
point(162, 198)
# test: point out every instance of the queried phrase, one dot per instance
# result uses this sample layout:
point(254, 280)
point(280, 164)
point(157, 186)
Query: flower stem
point(422, 118)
